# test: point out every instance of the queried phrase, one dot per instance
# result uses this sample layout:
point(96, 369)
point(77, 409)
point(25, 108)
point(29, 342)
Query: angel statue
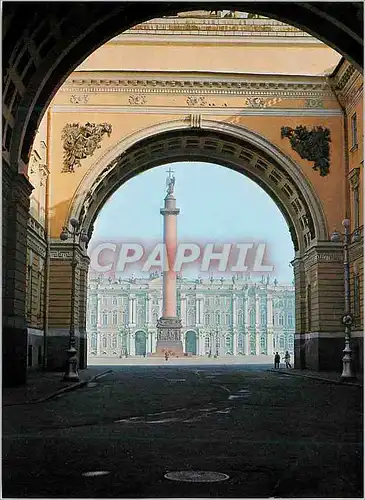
point(170, 182)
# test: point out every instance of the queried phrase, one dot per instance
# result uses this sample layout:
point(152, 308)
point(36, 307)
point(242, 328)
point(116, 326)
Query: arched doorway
point(140, 343)
point(191, 342)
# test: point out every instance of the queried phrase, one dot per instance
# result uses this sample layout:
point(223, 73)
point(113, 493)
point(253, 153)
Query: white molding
point(215, 111)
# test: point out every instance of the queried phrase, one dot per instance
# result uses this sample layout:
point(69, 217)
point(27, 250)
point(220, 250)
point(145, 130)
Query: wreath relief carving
point(81, 141)
point(311, 145)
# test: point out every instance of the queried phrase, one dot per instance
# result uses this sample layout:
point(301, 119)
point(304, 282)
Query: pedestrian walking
point(287, 360)
point(166, 356)
point(277, 360)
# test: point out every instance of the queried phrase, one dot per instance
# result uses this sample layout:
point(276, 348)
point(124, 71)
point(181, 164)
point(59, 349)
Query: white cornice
point(162, 110)
point(193, 83)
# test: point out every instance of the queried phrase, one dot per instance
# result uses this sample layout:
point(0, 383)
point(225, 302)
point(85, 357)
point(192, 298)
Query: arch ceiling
point(44, 42)
point(226, 145)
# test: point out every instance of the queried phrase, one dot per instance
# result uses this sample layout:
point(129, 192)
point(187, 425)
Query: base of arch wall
point(15, 340)
point(324, 352)
point(57, 345)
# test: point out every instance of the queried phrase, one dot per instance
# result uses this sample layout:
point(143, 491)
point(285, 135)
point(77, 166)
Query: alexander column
point(169, 325)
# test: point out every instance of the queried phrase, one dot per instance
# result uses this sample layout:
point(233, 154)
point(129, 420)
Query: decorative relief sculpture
point(81, 141)
point(311, 145)
point(314, 102)
point(255, 102)
point(137, 99)
point(79, 99)
point(196, 101)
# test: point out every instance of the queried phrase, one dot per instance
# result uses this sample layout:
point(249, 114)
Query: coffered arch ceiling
point(44, 42)
point(222, 144)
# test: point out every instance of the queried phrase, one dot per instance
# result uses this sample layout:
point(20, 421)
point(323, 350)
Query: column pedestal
point(169, 337)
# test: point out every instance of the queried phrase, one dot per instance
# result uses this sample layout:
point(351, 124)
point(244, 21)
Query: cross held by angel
point(170, 182)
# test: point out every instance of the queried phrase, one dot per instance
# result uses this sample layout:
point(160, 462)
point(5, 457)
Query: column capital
point(169, 211)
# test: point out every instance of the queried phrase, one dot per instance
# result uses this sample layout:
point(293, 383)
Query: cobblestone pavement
point(272, 434)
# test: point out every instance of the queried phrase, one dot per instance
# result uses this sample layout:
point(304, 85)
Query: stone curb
point(68, 388)
point(317, 377)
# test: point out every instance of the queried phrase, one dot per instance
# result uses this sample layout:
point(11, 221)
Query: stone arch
point(225, 144)
point(62, 38)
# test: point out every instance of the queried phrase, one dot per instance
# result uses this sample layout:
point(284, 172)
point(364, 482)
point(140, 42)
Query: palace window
point(105, 301)
point(191, 317)
point(263, 318)
point(93, 319)
point(290, 320)
point(228, 319)
point(114, 341)
point(217, 318)
point(93, 341)
point(140, 315)
point(291, 343)
point(115, 318)
point(281, 320)
point(105, 318)
point(124, 317)
point(228, 341)
point(354, 129)
point(263, 344)
point(105, 342)
point(115, 301)
point(206, 319)
point(207, 343)
point(281, 342)
point(252, 317)
point(240, 318)
point(240, 341)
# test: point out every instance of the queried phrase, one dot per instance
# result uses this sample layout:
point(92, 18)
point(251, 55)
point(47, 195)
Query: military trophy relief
point(79, 99)
point(81, 141)
point(312, 145)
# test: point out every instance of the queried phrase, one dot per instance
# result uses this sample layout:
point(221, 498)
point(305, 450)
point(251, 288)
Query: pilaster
point(59, 309)
point(323, 341)
point(15, 205)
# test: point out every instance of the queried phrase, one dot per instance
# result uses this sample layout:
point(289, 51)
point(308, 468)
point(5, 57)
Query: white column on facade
point(147, 306)
point(130, 310)
point(234, 311)
point(247, 348)
point(132, 344)
point(234, 340)
point(201, 310)
point(98, 313)
point(98, 344)
point(183, 310)
point(270, 336)
point(258, 348)
point(134, 310)
point(154, 340)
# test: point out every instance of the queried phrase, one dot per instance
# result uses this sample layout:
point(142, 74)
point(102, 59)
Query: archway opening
point(191, 343)
point(225, 312)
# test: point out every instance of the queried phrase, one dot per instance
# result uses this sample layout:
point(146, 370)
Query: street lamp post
point(347, 319)
point(71, 373)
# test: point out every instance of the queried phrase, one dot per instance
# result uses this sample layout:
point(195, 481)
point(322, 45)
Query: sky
point(217, 205)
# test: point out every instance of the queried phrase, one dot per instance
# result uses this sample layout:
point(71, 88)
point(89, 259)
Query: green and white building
point(236, 317)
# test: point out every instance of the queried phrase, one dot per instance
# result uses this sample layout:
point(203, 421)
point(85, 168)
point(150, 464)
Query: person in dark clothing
point(277, 360)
